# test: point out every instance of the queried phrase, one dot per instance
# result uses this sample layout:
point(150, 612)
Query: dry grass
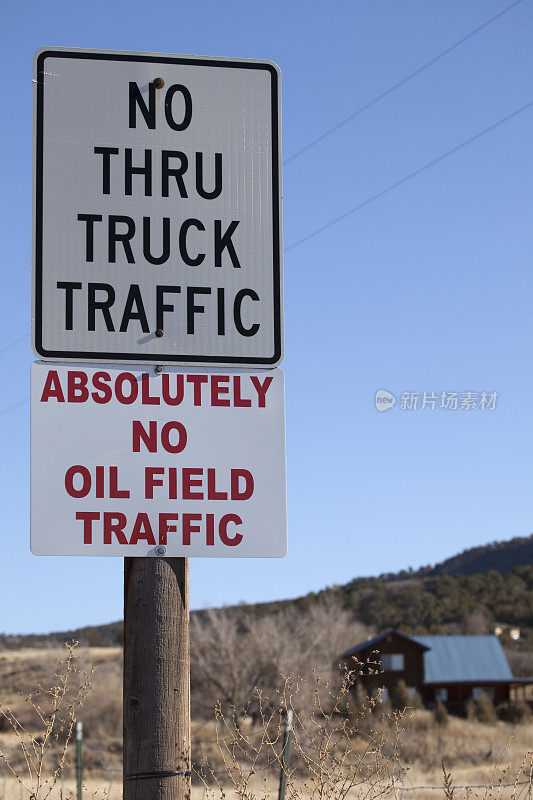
point(110, 788)
point(487, 759)
point(98, 788)
point(38, 755)
point(466, 745)
point(22, 670)
point(486, 756)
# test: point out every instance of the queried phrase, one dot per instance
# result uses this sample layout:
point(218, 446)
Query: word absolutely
point(102, 387)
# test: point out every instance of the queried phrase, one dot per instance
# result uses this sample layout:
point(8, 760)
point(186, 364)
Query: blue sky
point(426, 289)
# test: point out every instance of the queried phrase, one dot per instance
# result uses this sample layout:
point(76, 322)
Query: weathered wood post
point(156, 679)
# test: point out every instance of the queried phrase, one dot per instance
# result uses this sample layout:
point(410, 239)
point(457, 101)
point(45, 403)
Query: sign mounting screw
point(161, 550)
point(159, 333)
point(159, 83)
point(158, 369)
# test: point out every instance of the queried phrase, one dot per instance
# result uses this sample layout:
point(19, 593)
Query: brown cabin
point(453, 669)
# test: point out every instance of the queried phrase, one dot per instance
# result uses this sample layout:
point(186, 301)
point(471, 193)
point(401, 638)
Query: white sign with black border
point(157, 209)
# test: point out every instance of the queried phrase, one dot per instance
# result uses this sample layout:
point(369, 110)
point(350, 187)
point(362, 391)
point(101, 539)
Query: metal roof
point(371, 642)
point(464, 659)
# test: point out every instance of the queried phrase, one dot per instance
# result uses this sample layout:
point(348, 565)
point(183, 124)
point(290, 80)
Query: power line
point(356, 208)
point(13, 343)
point(4, 350)
point(14, 406)
point(408, 177)
point(369, 200)
point(397, 85)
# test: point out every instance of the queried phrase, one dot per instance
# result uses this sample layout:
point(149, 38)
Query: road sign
point(157, 209)
point(125, 462)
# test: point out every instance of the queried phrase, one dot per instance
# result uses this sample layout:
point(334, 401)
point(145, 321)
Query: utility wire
point(12, 344)
point(2, 351)
point(408, 177)
point(374, 197)
point(397, 85)
point(14, 406)
point(358, 207)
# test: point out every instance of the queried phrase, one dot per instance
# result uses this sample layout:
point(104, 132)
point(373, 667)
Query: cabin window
point(392, 662)
point(441, 694)
point(477, 691)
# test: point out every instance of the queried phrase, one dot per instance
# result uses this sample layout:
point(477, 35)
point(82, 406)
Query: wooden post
point(156, 761)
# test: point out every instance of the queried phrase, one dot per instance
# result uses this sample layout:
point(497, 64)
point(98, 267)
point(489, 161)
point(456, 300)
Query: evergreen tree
point(440, 715)
point(400, 697)
point(485, 712)
point(518, 713)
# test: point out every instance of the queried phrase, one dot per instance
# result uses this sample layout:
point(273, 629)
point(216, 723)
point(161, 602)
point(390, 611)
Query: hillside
point(502, 557)
point(109, 635)
point(464, 594)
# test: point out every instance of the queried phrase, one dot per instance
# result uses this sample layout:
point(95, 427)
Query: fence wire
point(109, 781)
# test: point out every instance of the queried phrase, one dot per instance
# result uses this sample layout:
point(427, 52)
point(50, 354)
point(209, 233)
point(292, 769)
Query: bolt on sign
point(157, 209)
point(125, 462)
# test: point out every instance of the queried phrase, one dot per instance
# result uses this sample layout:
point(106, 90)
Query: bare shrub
point(400, 697)
point(485, 711)
point(332, 753)
point(24, 713)
point(447, 783)
point(477, 622)
point(519, 781)
point(234, 651)
point(102, 718)
point(224, 664)
point(441, 714)
point(470, 710)
point(520, 661)
point(517, 713)
point(42, 753)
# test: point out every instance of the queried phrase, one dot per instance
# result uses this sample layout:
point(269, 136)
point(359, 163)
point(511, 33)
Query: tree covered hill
point(443, 603)
point(464, 594)
point(502, 557)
